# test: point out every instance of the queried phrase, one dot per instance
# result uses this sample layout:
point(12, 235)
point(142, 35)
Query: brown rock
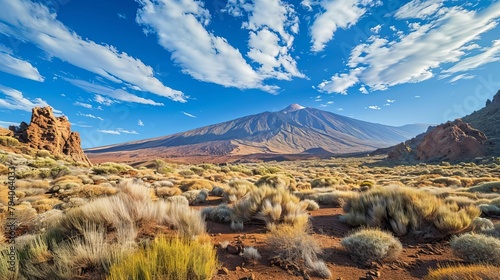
point(233, 249)
point(47, 132)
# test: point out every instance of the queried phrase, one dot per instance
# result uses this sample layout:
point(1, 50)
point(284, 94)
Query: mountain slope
point(293, 130)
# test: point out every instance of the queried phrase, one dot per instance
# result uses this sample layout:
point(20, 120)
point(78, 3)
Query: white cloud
point(411, 58)
point(489, 55)
point(340, 83)
point(374, 107)
point(84, 105)
point(114, 132)
point(340, 109)
point(117, 94)
point(421, 9)
point(417, 96)
point(189, 115)
point(271, 24)
point(391, 100)
point(335, 14)
point(122, 16)
point(326, 104)
point(15, 100)
point(127, 131)
point(461, 77)
point(34, 23)
point(376, 29)
point(180, 27)
point(90, 116)
point(140, 123)
point(18, 67)
point(363, 90)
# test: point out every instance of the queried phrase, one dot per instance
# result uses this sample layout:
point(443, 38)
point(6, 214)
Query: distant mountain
point(293, 130)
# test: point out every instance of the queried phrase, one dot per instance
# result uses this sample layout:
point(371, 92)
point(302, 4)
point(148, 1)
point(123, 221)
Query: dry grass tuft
point(477, 248)
point(196, 184)
point(367, 245)
point(469, 272)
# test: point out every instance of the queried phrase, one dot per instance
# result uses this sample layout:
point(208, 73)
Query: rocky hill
point(47, 132)
point(293, 130)
point(475, 135)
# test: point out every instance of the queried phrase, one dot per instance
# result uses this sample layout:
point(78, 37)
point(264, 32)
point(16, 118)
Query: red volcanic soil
point(414, 262)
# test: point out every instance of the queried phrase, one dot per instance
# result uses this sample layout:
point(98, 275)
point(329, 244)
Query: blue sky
point(124, 70)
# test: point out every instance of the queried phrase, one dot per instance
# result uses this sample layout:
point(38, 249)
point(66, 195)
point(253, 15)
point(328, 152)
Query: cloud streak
point(18, 67)
point(33, 22)
point(14, 100)
point(380, 63)
point(189, 115)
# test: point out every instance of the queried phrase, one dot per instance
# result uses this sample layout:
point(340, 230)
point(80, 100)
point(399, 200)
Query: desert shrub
point(197, 170)
point(477, 248)
point(271, 205)
point(241, 169)
point(168, 258)
point(110, 168)
point(481, 225)
point(487, 187)
point(59, 171)
point(447, 181)
point(195, 184)
point(163, 183)
point(460, 200)
point(93, 191)
point(277, 181)
point(186, 173)
point(196, 196)
point(311, 204)
point(46, 220)
point(402, 207)
point(43, 163)
point(468, 272)
point(8, 141)
point(167, 191)
point(44, 204)
point(217, 191)
point(367, 245)
point(237, 189)
point(178, 199)
point(326, 182)
point(292, 246)
point(209, 166)
point(30, 183)
point(331, 198)
point(5, 273)
point(251, 254)
point(220, 214)
point(42, 154)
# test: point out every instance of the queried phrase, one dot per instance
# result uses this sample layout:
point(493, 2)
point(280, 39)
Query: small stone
point(233, 249)
point(224, 271)
point(244, 269)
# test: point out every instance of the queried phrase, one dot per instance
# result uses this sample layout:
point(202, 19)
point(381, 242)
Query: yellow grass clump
point(168, 258)
point(468, 272)
point(367, 245)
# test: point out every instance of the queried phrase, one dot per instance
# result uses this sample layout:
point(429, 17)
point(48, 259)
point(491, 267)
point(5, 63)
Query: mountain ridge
point(293, 130)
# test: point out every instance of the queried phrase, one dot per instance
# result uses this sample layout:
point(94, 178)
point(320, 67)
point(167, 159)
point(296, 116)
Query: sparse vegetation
point(367, 245)
point(465, 272)
point(477, 248)
point(168, 258)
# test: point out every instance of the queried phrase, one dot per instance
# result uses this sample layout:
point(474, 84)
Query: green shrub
point(186, 173)
point(195, 184)
point(477, 248)
point(110, 168)
point(367, 245)
point(168, 258)
point(197, 170)
point(59, 171)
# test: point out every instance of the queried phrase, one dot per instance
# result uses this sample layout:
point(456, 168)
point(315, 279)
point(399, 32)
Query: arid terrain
point(273, 220)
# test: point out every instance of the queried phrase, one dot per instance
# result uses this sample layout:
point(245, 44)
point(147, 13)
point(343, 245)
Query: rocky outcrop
point(452, 141)
point(6, 132)
point(47, 132)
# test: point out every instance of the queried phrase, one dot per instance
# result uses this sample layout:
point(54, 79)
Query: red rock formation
point(452, 141)
point(51, 133)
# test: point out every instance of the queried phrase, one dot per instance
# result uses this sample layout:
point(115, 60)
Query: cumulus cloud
point(14, 100)
point(114, 94)
point(374, 107)
point(380, 63)
point(18, 67)
point(271, 24)
point(189, 115)
point(181, 29)
point(33, 22)
point(335, 14)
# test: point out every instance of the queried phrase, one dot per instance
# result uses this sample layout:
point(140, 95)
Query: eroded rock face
point(452, 141)
point(51, 133)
